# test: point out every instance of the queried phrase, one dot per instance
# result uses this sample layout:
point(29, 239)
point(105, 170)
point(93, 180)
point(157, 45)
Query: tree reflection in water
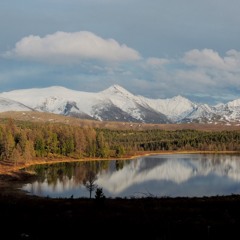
point(171, 175)
point(89, 182)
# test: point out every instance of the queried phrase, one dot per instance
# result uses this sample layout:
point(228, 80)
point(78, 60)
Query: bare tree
point(89, 182)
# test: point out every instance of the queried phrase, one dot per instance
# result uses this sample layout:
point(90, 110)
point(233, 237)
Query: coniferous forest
point(22, 141)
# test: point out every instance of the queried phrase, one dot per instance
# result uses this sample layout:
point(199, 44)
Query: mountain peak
point(180, 98)
point(234, 103)
point(117, 89)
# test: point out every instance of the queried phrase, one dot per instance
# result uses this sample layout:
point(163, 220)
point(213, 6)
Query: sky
point(152, 48)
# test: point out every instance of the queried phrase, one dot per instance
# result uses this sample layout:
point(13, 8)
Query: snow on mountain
point(121, 98)
point(201, 113)
point(10, 105)
point(51, 99)
point(133, 105)
point(234, 104)
point(229, 112)
point(175, 108)
point(116, 104)
point(233, 110)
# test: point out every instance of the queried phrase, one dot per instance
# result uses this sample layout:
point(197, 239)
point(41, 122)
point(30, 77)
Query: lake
point(167, 175)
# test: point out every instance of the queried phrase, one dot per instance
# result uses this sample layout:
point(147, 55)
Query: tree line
point(22, 141)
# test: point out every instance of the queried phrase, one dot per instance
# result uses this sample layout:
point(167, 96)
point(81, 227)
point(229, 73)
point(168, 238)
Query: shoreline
point(11, 177)
point(12, 169)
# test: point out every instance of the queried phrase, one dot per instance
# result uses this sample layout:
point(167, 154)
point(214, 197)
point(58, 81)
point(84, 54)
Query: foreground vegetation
point(28, 217)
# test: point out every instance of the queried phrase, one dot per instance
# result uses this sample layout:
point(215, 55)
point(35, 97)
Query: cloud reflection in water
point(161, 175)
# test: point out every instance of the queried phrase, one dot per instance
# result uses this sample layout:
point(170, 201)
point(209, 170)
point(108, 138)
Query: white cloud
point(156, 62)
point(233, 60)
point(207, 58)
point(203, 58)
point(63, 47)
point(194, 79)
point(210, 70)
point(196, 73)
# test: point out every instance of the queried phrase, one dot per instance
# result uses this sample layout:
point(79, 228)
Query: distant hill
point(56, 118)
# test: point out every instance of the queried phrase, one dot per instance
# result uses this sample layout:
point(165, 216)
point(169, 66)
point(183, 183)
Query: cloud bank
point(64, 47)
point(211, 59)
point(197, 74)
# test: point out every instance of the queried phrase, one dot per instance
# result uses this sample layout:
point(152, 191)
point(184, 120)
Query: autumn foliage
point(23, 140)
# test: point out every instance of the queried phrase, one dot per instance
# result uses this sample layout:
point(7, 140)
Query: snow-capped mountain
point(116, 104)
point(11, 105)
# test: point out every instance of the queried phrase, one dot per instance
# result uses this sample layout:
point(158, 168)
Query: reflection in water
point(89, 182)
point(160, 175)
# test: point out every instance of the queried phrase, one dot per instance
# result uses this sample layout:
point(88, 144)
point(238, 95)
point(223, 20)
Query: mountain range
point(117, 104)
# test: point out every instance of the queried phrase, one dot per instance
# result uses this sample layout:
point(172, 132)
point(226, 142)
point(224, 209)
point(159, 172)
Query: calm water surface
point(161, 175)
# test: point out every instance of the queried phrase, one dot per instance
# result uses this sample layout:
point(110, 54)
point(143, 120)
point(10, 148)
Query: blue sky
point(154, 48)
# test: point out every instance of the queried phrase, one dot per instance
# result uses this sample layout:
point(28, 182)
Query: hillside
point(56, 118)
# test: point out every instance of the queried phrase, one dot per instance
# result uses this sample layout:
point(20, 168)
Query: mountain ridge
point(118, 104)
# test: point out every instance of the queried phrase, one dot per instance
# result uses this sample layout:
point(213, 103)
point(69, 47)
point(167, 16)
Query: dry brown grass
point(55, 118)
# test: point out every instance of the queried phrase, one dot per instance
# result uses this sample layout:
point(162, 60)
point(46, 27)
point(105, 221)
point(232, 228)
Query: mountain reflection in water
point(170, 175)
